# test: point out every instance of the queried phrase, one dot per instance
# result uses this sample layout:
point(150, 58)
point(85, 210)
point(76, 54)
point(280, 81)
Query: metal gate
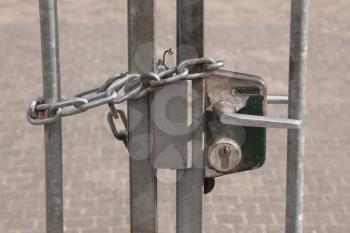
point(193, 166)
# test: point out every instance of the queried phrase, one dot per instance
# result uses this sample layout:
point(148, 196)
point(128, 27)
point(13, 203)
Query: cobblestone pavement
point(252, 36)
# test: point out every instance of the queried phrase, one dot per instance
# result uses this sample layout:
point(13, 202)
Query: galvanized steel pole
point(190, 181)
point(53, 132)
point(143, 183)
point(296, 110)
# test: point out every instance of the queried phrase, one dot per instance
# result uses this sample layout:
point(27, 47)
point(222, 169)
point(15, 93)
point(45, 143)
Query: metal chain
point(116, 90)
point(114, 113)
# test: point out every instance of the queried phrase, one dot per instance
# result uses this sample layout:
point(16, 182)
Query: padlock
point(236, 122)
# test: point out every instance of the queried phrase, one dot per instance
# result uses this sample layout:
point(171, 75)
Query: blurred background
point(251, 36)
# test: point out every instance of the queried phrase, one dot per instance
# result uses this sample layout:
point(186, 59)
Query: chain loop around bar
point(117, 89)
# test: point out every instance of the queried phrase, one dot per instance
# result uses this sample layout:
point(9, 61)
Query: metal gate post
point(296, 110)
point(190, 181)
point(53, 131)
point(143, 183)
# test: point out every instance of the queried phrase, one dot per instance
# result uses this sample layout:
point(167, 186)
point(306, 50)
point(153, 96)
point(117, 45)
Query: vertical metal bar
point(141, 52)
point(296, 110)
point(52, 132)
point(190, 181)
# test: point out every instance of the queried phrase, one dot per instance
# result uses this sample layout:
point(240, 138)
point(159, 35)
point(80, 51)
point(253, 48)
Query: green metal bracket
point(248, 96)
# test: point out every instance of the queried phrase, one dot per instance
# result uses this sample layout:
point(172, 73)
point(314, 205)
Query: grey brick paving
point(252, 36)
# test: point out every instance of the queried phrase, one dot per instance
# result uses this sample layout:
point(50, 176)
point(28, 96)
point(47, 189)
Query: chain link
point(116, 90)
point(115, 113)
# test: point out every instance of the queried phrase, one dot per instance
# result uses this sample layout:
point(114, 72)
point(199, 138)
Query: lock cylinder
point(224, 155)
point(234, 147)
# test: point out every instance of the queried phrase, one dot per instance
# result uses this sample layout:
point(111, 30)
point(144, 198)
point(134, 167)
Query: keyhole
point(224, 153)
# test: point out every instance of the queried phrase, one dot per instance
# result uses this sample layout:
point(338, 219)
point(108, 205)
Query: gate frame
point(189, 185)
point(52, 132)
point(296, 110)
point(143, 184)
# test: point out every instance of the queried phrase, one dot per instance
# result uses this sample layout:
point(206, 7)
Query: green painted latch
point(236, 123)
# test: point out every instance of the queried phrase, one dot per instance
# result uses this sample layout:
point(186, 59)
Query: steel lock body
point(245, 146)
point(235, 123)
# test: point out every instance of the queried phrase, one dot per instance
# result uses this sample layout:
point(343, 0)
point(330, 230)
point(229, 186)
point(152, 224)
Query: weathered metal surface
point(223, 87)
point(52, 132)
point(227, 116)
point(143, 189)
point(296, 110)
point(224, 155)
point(170, 126)
point(277, 99)
point(171, 113)
point(241, 94)
point(189, 186)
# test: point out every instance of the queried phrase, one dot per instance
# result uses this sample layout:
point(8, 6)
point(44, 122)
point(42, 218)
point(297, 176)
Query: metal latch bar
point(226, 116)
point(277, 99)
